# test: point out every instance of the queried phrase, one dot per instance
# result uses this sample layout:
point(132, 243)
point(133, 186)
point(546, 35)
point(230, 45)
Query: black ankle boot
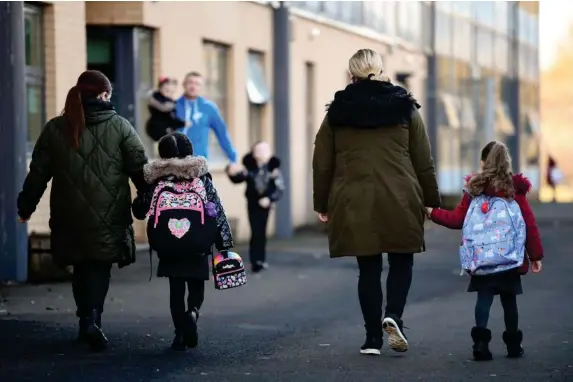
point(94, 335)
point(178, 343)
point(191, 332)
point(481, 337)
point(82, 330)
point(513, 343)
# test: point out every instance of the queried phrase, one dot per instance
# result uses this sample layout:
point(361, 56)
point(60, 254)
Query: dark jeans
point(90, 283)
point(195, 297)
point(258, 218)
point(509, 304)
point(370, 288)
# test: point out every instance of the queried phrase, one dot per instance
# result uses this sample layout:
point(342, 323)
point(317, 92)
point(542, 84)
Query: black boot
point(513, 343)
point(178, 343)
point(82, 330)
point(191, 332)
point(481, 337)
point(94, 335)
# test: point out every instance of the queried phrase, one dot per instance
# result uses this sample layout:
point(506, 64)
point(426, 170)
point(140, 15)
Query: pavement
point(299, 321)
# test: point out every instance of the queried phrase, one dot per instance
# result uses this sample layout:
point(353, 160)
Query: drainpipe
point(281, 103)
point(514, 109)
point(432, 88)
point(13, 130)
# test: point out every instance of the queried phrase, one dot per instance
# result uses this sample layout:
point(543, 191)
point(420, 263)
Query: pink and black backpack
point(181, 221)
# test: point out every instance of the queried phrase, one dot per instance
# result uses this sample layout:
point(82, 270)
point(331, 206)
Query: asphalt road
point(298, 322)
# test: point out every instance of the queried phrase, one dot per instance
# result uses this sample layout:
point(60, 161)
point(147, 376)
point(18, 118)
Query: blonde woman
point(373, 173)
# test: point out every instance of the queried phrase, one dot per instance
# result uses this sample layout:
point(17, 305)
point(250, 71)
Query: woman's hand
point(429, 212)
point(536, 266)
point(323, 218)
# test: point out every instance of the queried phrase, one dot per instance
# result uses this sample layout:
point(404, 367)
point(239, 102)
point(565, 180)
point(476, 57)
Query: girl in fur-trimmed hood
point(178, 163)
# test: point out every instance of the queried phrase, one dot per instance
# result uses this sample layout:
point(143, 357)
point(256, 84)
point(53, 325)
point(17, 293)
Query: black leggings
point(509, 304)
point(196, 290)
point(370, 287)
point(258, 219)
point(90, 284)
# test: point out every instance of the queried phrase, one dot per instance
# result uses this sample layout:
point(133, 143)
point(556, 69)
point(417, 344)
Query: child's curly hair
point(496, 172)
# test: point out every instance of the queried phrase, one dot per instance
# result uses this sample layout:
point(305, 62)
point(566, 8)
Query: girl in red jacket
point(496, 179)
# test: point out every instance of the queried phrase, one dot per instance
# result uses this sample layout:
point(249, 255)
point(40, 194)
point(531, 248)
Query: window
point(484, 12)
point(462, 39)
point(410, 21)
point(462, 8)
point(485, 48)
point(34, 50)
point(502, 17)
point(258, 95)
point(351, 12)
point(502, 54)
point(145, 82)
point(332, 9)
point(443, 33)
point(217, 89)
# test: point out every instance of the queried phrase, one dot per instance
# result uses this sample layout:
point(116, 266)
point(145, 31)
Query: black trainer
point(372, 346)
point(396, 338)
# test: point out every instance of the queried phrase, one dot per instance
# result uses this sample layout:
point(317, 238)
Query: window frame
point(257, 111)
point(36, 75)
point(143, 88)
point(217, 156)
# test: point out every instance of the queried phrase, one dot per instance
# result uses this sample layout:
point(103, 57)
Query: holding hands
point(429, 212)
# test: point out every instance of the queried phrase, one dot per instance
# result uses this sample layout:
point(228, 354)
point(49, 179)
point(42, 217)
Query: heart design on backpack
point(179, 227)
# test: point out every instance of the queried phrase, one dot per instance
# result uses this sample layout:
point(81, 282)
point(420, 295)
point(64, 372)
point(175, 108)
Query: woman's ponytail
point(74, 115)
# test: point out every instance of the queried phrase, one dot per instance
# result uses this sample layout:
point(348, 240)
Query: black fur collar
point(369, 103)
point(251, 164)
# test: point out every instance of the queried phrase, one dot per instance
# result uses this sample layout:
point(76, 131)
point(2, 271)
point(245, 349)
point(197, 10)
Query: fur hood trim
point(251, 164)
point(521, 183)
point(185, 168)
point(371, 104)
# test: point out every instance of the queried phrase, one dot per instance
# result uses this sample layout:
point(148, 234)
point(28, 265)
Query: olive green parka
point(373, 171)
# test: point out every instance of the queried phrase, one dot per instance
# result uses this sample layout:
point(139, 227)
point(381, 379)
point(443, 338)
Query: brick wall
point(114, 12)
point(65, 59)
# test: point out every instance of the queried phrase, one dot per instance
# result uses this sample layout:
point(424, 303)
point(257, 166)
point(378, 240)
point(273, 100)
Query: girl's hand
point(265, 202)
point(429, 212)
point(536, 266)
point(275, 173)
point(22, 220)
point(323, 218)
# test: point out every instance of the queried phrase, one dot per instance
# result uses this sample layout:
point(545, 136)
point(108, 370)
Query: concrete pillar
point(281, 98)
point(13, 130)
point(432, 89)
point(513, 93)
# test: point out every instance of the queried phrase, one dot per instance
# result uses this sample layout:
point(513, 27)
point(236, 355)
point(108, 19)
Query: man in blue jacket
point(201, 115)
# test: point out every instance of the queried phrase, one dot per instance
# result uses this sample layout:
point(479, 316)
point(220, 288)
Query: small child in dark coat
point(162, 119)
point(178, 163)
point(265, 186)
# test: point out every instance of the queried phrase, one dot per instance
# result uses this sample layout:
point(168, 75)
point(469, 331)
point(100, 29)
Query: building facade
point(135, 42)
point(487, 85)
